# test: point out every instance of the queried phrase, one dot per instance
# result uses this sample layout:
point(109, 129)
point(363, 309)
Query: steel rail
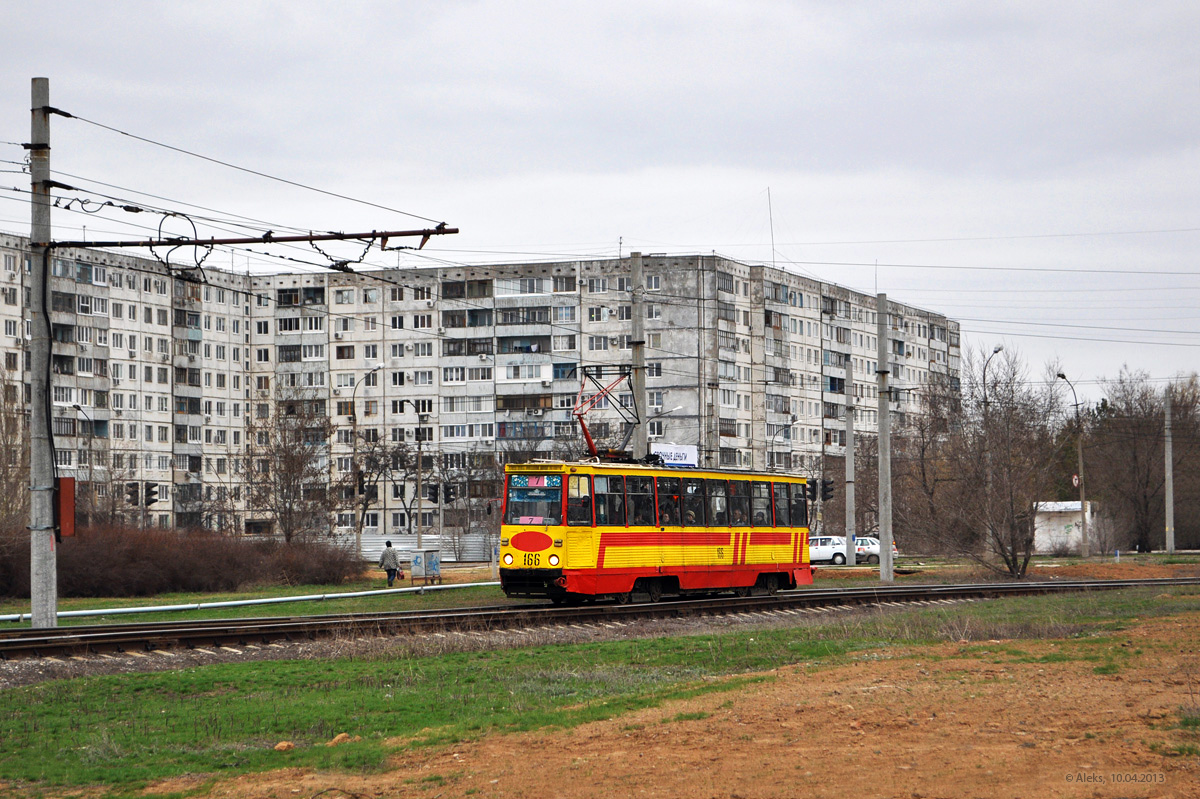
point(148, 637)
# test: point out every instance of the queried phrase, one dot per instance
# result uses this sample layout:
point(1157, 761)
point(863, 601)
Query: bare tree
point(475, 479)
point(925, 484)
point(286, 464)
point(976, 471)
point(14, 460)
point(1127, 473)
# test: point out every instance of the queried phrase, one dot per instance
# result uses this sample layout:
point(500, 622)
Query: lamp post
point(355, 469)
point(771, 443)
point(421, 419)
point(995, 351)
point(1083, 531)
point(91, 488)
point(987, 432)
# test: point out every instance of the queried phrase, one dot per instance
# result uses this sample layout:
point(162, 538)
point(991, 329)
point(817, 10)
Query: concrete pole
point(641, 433)
point(43, 567)
point(1169, 467)
point(885, 442)
point(1084, 546)
point(850, 460)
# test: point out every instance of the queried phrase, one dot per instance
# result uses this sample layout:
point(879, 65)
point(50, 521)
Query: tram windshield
point(534, 499)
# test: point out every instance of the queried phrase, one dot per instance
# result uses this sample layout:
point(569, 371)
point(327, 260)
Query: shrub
point(136, 562)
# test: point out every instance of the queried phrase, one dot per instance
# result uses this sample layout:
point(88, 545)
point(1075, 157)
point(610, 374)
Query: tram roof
point(560, 466)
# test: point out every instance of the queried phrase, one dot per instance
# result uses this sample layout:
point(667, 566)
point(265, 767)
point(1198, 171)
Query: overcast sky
point(1029, 168)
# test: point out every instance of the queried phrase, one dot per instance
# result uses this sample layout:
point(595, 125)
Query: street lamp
point(995, 351)
point(771, 443)
point(659, 415)
point(422, 418)
point(90, 455)
point(355, 469)
point(1083, 531)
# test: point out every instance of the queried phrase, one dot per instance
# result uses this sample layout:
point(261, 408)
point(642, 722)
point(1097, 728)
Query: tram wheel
point(624, 599)
point(654, 589)
point(742, 590)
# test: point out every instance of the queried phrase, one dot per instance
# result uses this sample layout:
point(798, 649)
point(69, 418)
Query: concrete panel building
point(159, 378)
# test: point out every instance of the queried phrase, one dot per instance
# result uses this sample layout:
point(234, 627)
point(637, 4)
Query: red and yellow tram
point(576, 531)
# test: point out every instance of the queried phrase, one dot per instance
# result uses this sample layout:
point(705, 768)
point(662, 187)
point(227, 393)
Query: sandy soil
point(956, 720)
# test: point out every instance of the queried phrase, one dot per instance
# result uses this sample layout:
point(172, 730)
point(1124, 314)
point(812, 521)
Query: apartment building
point(161, 379)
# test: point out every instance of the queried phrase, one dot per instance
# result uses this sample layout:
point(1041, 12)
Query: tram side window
point(718, 509)
point(799, 507)
point(668, 501)
point(782, 503)
point(610, 500)
point(579, 500)
point(640, 491)
point(693, 502)
point(739, 502)
point(760, 504)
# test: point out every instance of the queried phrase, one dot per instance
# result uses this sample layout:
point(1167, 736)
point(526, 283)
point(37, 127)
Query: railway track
point(142, 638)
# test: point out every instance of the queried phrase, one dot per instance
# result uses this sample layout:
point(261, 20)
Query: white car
point(827, 549)
point(867, 550)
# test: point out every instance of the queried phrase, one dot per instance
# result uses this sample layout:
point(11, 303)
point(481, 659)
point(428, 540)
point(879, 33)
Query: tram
point(580, 531)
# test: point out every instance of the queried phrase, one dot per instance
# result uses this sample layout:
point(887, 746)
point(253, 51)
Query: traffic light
point(826, 489)
point(448, 493)
point(151, 493)
point(433, 492)
point(131, 493)
point(810, 491)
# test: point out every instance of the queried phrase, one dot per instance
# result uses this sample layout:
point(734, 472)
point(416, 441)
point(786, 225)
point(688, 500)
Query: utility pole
point(885, 441)
point(641, 440)
point(1169, 466)
point(850, 461)
point(43, 567)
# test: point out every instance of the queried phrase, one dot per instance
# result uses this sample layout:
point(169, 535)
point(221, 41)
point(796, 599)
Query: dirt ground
point(954, 720)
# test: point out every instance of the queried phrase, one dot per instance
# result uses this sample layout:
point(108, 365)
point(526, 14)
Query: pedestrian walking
point(389, 561)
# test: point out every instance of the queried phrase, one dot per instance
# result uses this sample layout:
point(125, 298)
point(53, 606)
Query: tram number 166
point(533, 559)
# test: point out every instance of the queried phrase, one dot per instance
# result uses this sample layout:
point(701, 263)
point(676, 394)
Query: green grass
point(126, 731)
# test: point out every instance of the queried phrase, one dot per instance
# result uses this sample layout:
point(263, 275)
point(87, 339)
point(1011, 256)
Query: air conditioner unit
point(337, 392)
point(191, 359)
point(164, 357)
point(116, 381)
point(547, 383)
point(441, 330)
point(133, 353)
point(119, 412)
point(337, 336)
point(408, 347)
point(536, 412)
point(428, 303)
point(264, 393)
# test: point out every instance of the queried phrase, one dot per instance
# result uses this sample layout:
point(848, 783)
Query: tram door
point(581, 537)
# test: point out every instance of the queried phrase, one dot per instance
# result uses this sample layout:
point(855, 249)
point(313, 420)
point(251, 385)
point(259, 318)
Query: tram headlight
point(554, 560)
point(508, 560)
